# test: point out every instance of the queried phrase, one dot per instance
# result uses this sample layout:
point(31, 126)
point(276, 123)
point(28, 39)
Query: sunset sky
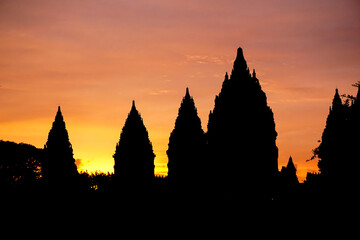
point(93, 57)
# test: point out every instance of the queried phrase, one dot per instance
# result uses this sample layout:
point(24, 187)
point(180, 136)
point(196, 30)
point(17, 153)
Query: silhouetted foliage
point(186, 150)
point(59, 164)
point(20, 164)
point(241, 134)
point(134, 156)
point(97, 181)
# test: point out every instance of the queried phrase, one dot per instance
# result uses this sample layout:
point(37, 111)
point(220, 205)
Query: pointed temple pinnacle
point(133, 105)
point(59, 111)
point(240, 56)
point(187, 92)
point(337, 96)
point(59, 116)
point(226, 76)
point(291, 164)
point(240, 65)
point(240, 53)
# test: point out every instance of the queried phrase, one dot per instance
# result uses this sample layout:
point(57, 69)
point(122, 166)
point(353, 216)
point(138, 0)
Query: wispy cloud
point(159, 92)
point(204, 59)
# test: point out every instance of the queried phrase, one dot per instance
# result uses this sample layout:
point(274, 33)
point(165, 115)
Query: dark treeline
point(235, 160)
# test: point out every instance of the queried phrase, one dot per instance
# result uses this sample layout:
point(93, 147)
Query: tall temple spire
point(241, 133)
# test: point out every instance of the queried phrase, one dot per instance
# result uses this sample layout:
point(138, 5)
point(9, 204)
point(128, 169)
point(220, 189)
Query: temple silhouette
point(187, 143)
point(241, 135)
point(59, 168)
point(134, 156)
point(289, 173)
point(235, 160)
point(338, 154)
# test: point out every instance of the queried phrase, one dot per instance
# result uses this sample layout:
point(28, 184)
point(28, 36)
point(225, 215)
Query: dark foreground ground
point(159, 212)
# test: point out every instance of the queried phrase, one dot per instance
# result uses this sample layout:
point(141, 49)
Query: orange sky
point(94, 57)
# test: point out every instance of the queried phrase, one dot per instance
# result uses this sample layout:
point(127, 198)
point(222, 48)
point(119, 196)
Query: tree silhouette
point(20, 164)
point(59, 163)
point(134, 156)
point(241, 133)
point(186, 150)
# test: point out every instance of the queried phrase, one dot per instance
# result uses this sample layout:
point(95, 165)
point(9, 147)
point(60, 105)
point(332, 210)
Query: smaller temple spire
point(289, 173)
point(254, 74)
point(226, 76)
point(186, 145)
point(134, 156)
point(59, 164)
point(290, 166)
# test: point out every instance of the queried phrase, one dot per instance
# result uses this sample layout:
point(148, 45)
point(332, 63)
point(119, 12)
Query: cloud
point(204, 59)
point(159, 92)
